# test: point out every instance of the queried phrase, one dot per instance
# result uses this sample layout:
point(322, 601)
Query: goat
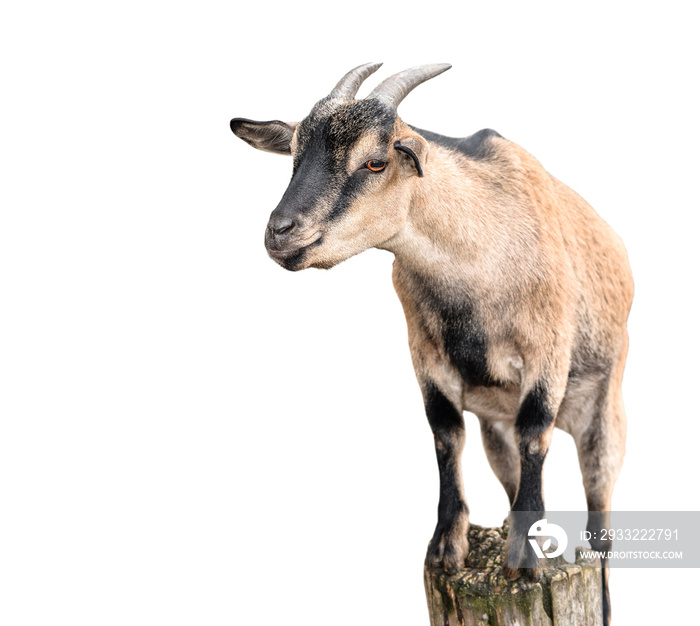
point(516, 293)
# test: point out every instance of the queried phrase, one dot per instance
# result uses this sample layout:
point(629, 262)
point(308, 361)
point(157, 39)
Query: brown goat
point(516, 292)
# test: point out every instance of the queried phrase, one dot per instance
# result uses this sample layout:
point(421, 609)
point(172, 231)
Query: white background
point(191, 434)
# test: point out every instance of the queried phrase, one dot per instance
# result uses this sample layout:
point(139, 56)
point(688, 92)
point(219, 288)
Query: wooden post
point(568, 594)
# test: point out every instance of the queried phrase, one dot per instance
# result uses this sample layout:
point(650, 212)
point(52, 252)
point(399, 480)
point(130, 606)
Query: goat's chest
point(446, 329)
point(454, 343)
point(489, 370)
point(464, 342)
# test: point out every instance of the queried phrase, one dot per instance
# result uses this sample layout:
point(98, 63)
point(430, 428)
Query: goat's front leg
point(449, 546)
point(533, 429)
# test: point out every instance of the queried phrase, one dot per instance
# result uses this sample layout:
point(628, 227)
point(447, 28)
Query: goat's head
point(355, 165)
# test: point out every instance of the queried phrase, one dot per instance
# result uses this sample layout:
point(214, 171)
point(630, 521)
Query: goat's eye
point(375, 166)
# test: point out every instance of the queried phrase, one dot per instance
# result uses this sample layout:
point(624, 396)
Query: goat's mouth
point(292, 257)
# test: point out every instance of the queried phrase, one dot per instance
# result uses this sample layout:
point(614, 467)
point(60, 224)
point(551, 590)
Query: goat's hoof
point(531, 573)
point(449, 554)
point(454, 560)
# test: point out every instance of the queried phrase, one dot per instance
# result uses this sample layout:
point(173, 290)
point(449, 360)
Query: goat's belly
point(492, 403)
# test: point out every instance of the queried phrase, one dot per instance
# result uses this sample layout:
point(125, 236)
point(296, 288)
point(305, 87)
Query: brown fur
point(547, 280)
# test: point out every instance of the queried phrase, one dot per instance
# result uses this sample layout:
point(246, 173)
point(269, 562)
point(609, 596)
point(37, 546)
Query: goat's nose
point(281, 229)
point(283, 226)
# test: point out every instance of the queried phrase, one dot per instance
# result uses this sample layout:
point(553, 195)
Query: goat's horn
point(395, 88)
point(350, 83)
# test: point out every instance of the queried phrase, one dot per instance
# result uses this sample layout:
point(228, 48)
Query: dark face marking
point(477, 146)
point(323, 184)
point(324, 142)
point(311, 180)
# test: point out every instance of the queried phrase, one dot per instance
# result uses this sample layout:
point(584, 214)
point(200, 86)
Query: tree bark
point(568, 593)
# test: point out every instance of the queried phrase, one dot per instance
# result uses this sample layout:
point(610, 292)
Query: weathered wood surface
point(569, 594)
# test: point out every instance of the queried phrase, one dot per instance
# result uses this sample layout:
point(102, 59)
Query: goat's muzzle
point(287, 240)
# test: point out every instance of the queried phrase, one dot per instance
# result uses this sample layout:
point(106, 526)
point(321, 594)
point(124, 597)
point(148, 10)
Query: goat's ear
point(273, 136)
point(415, 151)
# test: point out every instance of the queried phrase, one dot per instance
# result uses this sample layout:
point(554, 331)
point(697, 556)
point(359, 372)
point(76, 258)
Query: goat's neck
point(452, 226)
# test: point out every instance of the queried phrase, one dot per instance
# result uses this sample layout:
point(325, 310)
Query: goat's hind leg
point(593, 413)
point(600, 441)
point(502, 454)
